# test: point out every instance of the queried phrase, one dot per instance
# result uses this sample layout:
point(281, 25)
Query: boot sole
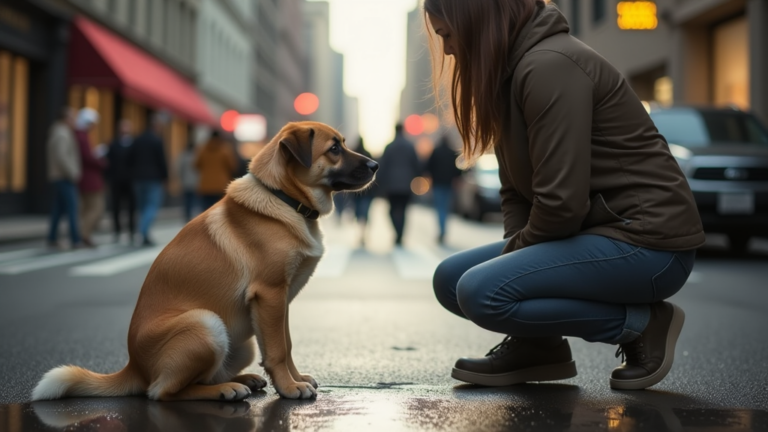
point(675, 327)
point(553, 372)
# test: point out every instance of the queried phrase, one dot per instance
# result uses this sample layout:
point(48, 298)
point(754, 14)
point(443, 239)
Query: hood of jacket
point(546, 21)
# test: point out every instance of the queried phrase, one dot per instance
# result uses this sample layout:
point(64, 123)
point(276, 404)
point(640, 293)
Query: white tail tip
point(54, 384)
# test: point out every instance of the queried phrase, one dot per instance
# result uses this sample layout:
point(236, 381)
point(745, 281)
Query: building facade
point(712, 52)
point(417, 96)
point(224, 59)
point(325, 77)
point(124, 58)
point(291, 62)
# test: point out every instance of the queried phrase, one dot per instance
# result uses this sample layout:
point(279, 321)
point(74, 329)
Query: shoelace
point(631, 352)
point(502, 346)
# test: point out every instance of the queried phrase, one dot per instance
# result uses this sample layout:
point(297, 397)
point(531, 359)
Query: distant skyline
point(372, 36)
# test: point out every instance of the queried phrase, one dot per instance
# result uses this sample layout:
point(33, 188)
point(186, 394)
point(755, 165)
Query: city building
point(417, 96)
point(33, 56)
point(291, 63)
point(325, 77)
point(126, 59)
point(711, 52)
point(224, 60)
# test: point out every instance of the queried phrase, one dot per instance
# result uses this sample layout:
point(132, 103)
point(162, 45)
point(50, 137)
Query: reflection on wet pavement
point(462, 408)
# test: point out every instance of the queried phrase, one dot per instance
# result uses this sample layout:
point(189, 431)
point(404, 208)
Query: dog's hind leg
point(188, 359)
point(240, 357)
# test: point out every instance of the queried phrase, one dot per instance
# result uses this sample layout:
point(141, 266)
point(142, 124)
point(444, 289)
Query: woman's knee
point(473, 294)
point(444, 283)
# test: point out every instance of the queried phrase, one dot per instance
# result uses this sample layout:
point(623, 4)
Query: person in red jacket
point(92, 180)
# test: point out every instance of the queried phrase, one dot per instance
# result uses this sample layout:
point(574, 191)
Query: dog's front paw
point(308, 379)
point(253, 381)
point(233, 391)
point(297, 390)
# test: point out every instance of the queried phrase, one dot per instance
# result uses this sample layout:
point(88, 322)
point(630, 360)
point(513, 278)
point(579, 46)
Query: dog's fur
point(228, 276)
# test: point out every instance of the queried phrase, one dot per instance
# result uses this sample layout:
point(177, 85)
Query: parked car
point(724, 155)
point(477, 193)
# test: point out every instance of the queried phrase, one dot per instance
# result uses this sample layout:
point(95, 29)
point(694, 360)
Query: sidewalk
point(35, 226)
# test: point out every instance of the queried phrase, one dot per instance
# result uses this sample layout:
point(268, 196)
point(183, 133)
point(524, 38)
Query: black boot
point(517, 360)
point(648, 359)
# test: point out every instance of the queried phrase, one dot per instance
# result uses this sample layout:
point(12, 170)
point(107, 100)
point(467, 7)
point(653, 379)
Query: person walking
point(64, 171)
point(362, 200)
point(600, 226)
point(216, 162)
point(92, 180)
point(399, 165)
point(442, 168)
point(149, 170)
point(120, 181)
point(190, 179)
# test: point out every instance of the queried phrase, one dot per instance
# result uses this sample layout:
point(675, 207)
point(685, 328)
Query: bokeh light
point(431, 123)
point(420, 186)
point(414, 125)
point(424, 147)
point(306, 103)
point(229, 120)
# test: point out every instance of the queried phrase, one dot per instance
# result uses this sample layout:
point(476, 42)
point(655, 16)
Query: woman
point(216, 163)
point(600, 224)
point(92, 179)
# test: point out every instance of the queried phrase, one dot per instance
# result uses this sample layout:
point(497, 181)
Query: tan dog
point(228, 276)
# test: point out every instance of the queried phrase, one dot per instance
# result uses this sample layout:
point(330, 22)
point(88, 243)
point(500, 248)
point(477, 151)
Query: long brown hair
point(485, 31)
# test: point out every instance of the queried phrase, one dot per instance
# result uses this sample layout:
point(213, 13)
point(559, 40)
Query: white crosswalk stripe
point(55, 260)
point(118, 264)
point(416, 263)
point(334, 262)
point(18, 254)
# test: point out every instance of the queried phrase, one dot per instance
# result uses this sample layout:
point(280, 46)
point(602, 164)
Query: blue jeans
point(149, 198)
point(442, 196)
point(587, 286)
point(64, 201)
point(362, 207)
point(190, 204)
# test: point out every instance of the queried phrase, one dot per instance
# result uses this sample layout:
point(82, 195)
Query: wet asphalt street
point(369, 330)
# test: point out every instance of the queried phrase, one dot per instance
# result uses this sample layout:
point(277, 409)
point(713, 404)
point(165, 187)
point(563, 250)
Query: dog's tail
point(73, 381)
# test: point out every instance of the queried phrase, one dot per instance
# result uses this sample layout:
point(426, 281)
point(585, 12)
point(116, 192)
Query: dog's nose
point(373, 166)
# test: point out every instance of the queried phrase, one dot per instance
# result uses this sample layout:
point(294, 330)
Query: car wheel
point(739, 243)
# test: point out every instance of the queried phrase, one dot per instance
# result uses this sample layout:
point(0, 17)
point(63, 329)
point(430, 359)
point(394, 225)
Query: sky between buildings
point(372, 36)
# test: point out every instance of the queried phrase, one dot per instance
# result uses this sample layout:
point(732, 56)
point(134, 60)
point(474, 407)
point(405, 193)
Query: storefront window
point(14, 99)
point(731, 63)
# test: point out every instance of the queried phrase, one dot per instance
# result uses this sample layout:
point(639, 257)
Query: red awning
point(100, 58)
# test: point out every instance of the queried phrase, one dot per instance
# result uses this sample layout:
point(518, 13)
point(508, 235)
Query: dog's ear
point(300, 148)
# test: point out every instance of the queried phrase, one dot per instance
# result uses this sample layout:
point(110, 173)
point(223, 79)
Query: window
point(575, 17)
point(14, 99)
point(598, 11)
point(691, 128)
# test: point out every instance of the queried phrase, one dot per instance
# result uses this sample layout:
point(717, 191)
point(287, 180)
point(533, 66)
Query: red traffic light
point(229, 120)
point(306, 103)
point(414, 125)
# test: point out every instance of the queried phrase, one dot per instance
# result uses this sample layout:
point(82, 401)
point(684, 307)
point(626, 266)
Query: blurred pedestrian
point(149, 169)
point(362, 200)
point(399, 166)
point(64, 171)
point(600, 225)
point(190, 179)
point(442, 168)
point(92, 180)
point(120, 181)
point(217, 163)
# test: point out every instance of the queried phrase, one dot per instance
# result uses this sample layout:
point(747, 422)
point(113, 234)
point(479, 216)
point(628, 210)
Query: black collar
point(294, 203)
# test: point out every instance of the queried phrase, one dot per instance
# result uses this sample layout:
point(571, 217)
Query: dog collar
point(296, 205)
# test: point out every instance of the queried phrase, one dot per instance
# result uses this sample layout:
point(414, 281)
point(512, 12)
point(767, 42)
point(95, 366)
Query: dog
point(229, 275)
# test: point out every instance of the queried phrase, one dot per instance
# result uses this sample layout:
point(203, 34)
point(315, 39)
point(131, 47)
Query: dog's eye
point(335, 149)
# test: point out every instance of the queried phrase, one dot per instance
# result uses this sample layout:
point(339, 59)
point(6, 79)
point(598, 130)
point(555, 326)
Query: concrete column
point(689, 65)
point(757, 14)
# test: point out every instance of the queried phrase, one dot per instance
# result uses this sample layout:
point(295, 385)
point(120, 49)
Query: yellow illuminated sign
point(637, 15)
